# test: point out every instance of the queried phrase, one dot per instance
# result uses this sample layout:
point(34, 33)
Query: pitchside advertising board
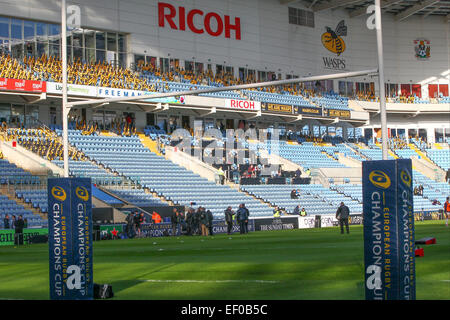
point(69, 238)
point(388, 230)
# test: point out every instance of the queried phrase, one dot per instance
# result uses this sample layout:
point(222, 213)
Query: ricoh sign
point(212, 23)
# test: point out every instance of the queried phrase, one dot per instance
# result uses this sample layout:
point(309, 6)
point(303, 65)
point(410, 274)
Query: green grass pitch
point(310, 264)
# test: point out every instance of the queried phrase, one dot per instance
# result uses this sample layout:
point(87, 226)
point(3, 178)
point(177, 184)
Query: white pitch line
point(210, 281)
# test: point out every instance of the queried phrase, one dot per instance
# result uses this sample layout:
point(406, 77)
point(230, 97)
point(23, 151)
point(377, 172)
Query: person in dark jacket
point(176, 220)
point(229, 213)
point(242, 216)
point(342, 214)
point(6, 222)
point(18, 226)
point(189, 221)
point(210, 222)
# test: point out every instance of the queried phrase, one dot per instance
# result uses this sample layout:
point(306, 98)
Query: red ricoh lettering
point(212, 23)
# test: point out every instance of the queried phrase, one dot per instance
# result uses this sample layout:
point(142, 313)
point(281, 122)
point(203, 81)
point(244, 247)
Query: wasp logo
point(332, 40)
point(406, 178)
point(82, 193)
point(59, 193)
point(380, 179)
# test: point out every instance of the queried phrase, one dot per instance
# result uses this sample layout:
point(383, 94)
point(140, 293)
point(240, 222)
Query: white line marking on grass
point(210, 281)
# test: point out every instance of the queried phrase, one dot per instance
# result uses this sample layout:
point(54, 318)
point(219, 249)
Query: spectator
point(303, 212)
point(276, 212)
point(137, 223)
point(210, 222)
point(203, 222)
point(447, 210)
point(6, 222)
point(13, 222)
point(175, 219)
point(221, 174)
point(296, 210)
point(229, 213)
point(18, 225)
point(294, 194)
point(242, 216)
point(342, 214)
point(298, 173)
point(189, 221)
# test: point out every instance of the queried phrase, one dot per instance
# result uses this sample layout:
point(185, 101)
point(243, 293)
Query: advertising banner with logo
point(388, 230)
point(69, 238)
point(337, 113)
point(23, 85)
point(308, 110)
point(7, 235)
point(124, 93)
point(72, 89)
point(242, 105)
point(277, 108)
point(281, 223)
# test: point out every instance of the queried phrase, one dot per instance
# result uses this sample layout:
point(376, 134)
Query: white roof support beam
point(333, 4)
point(416, 8)
point(361, 11)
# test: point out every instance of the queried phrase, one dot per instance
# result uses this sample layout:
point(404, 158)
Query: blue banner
point(69, 238)
point(406, 238)
point(385, 195)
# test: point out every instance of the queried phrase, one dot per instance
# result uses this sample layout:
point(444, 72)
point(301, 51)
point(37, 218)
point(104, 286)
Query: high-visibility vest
point(156, 217)
point(276, 214)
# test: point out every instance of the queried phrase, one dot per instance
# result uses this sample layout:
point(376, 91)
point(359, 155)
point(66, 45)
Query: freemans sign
point(69, 238)
point(388, 230)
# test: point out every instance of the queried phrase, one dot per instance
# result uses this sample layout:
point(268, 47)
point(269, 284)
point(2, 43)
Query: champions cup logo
point(406, 178)
point(380, 179)
point(59, 193)
point(82, 193)
point(332, 40)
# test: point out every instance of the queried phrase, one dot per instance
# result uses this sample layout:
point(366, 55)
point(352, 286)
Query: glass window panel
point(90, 55)
point(100, 40)
point(77, 53)
point(122, 43)
point(53, 50)
point(112, 45)
point(54, 29)
point(5, 112)
point(16, 29)
point(41, 29)
point(77, 39)
point(28, 30)
point(89, 38)
point(42, 48)
point(100, 55)
point(4, 27)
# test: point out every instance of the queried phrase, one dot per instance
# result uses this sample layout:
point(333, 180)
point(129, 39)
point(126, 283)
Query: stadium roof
point(401, 9)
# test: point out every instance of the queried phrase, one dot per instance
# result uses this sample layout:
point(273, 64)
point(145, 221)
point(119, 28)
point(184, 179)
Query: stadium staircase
point(149, 143)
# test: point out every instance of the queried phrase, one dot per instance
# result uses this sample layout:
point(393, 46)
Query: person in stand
point(6, 222)
point(18, 226)
point(229, 213)
point(294, 194)
point(447, 210)
point(342, 214)
point(221, 174)
point(276, 212)
point(210, 222)
point(303, 213)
